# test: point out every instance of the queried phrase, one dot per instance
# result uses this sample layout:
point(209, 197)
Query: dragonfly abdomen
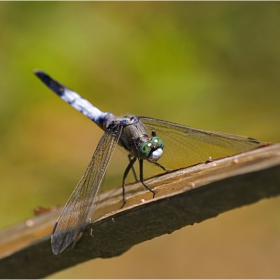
point(72, 98)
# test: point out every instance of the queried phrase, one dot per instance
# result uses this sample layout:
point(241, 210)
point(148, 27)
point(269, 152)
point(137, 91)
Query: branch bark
point(183, 197)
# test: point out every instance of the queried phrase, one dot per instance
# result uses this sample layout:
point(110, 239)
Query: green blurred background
point(212, 66)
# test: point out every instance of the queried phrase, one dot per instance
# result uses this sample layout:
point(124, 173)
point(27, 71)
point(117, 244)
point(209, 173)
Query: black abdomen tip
point(50, 82)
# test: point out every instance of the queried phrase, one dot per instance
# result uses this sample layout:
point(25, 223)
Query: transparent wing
point(185, 146)
point(84, 198)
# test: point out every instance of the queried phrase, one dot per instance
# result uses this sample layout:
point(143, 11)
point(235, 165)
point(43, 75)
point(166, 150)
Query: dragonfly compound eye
point(145, 150)
point(157, 142)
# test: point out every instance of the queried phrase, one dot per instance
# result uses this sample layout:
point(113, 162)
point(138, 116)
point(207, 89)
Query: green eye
point(145, 150)
point(157, 142)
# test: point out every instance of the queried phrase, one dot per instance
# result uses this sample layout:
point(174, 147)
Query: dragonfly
point(165, 144)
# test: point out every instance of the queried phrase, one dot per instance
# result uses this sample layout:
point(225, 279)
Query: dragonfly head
point(152, 149)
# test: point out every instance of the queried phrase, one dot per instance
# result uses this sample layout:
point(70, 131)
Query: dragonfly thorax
point(135, 140)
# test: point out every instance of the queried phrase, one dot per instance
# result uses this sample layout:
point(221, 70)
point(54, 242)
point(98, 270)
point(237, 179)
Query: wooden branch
point(183, 197)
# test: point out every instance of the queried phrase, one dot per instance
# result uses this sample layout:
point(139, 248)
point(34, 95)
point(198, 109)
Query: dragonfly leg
point(141, 177)
point(159, 165)
point(133, 169)
point(130, 165)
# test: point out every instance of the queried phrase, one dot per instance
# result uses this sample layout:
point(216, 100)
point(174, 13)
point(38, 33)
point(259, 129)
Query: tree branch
point(183, 197)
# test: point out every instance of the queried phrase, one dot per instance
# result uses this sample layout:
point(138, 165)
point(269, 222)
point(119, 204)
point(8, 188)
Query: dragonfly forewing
point(185, 146)
point(81, 204)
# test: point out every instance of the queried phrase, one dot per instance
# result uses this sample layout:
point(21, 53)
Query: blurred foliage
point(210, 65)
